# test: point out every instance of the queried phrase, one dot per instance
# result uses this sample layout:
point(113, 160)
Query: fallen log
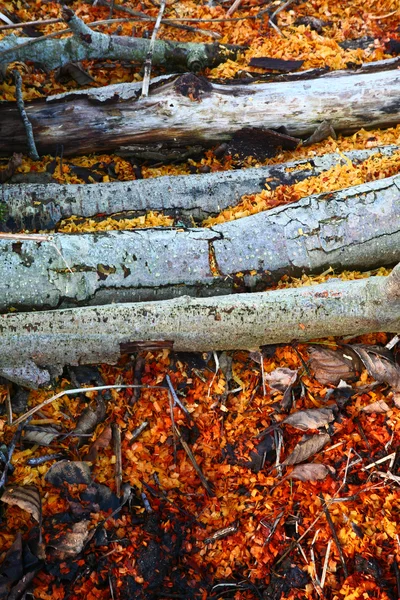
point(100, 334)
point(43, 206)
point(355, 228)
point(87, 44)
point(190, 110)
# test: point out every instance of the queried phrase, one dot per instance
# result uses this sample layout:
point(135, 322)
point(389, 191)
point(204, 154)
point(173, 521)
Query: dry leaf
point(43, 438)
point(72, 542)
point(103, 441)
point(310, 419)
point(379, 406)
point(280, 379)
point(309, 472)
point(307, 447)
point(380, 365)
point(330, 366)
point(26, 497)
point(396, 399)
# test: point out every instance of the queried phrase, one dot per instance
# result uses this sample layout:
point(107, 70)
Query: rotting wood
point(190, 110)
point(42, 206)
point(355, 228)
point(99, 334)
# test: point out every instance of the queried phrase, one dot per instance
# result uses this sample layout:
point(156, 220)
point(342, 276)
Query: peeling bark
point(194, 111)
point(248, 321)
point(355, 228)
point(43, 206)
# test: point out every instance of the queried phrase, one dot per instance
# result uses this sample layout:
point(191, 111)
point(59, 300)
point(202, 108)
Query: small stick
point(334, 535)
point(234, 7)
point(9, 407)
point(30, 23)
point(194, 463)
point(11, 448)
point(35, 409)
point(33, 154)
point(136, 432)
point(221, 533)
point(149, 56)
point(326, 561)
point(263, 374)
point(137, 376)
point(171, 412)
point(177, 401)
point(381, 460)
point(146, 502)
point(116, 432)
point(395, 340)
point(111, 9)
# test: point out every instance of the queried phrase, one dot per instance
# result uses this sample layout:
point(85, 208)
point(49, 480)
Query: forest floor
point(224, 494)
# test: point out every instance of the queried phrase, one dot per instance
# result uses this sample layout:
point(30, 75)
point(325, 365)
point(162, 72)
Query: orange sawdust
point(335, 178)
point(227, 437)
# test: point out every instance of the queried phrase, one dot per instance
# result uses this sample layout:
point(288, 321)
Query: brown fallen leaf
point(396, 399)
point(310, 419)
point(41, 436)
point(379, 364)
point(72, 542)
point(103, 441)
point(310, 472)
point(330, 366)
point(26, 497)
point(307, 447)
point(379, 406)
point(280, 379)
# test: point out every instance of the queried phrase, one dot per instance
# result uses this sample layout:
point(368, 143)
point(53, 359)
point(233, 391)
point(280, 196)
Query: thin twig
point(193, 460)
point(334, 535)
point(136, 432)
point(326, 561)
point(149, 55)
point(9, 407)
point(33, 154)
point(177, 401)
point(111, 9)
point(116, 432)
point(30, 24)
point(171, 412)
point(234, 7)
point(35, 409)
point(263, 374)
point(395, 340)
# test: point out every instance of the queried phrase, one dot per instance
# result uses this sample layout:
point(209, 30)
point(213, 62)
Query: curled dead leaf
point(307, 447)
point(379, 364)
point(103, 441)
point(330, 366)
point(280, 379)
point(312, 418)
point(26, 497)
point(379, 406)
point(310, 472)
point(72, 542)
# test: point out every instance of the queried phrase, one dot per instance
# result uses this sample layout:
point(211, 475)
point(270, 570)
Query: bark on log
point(248, 321)
point(87, 44)
point(358, 227)
point(106, 118)
point(42, 206)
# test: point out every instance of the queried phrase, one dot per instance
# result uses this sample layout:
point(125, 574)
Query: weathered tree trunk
point(100, 334)
point(43, 206)
point(358, 227)
point(191, 110)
